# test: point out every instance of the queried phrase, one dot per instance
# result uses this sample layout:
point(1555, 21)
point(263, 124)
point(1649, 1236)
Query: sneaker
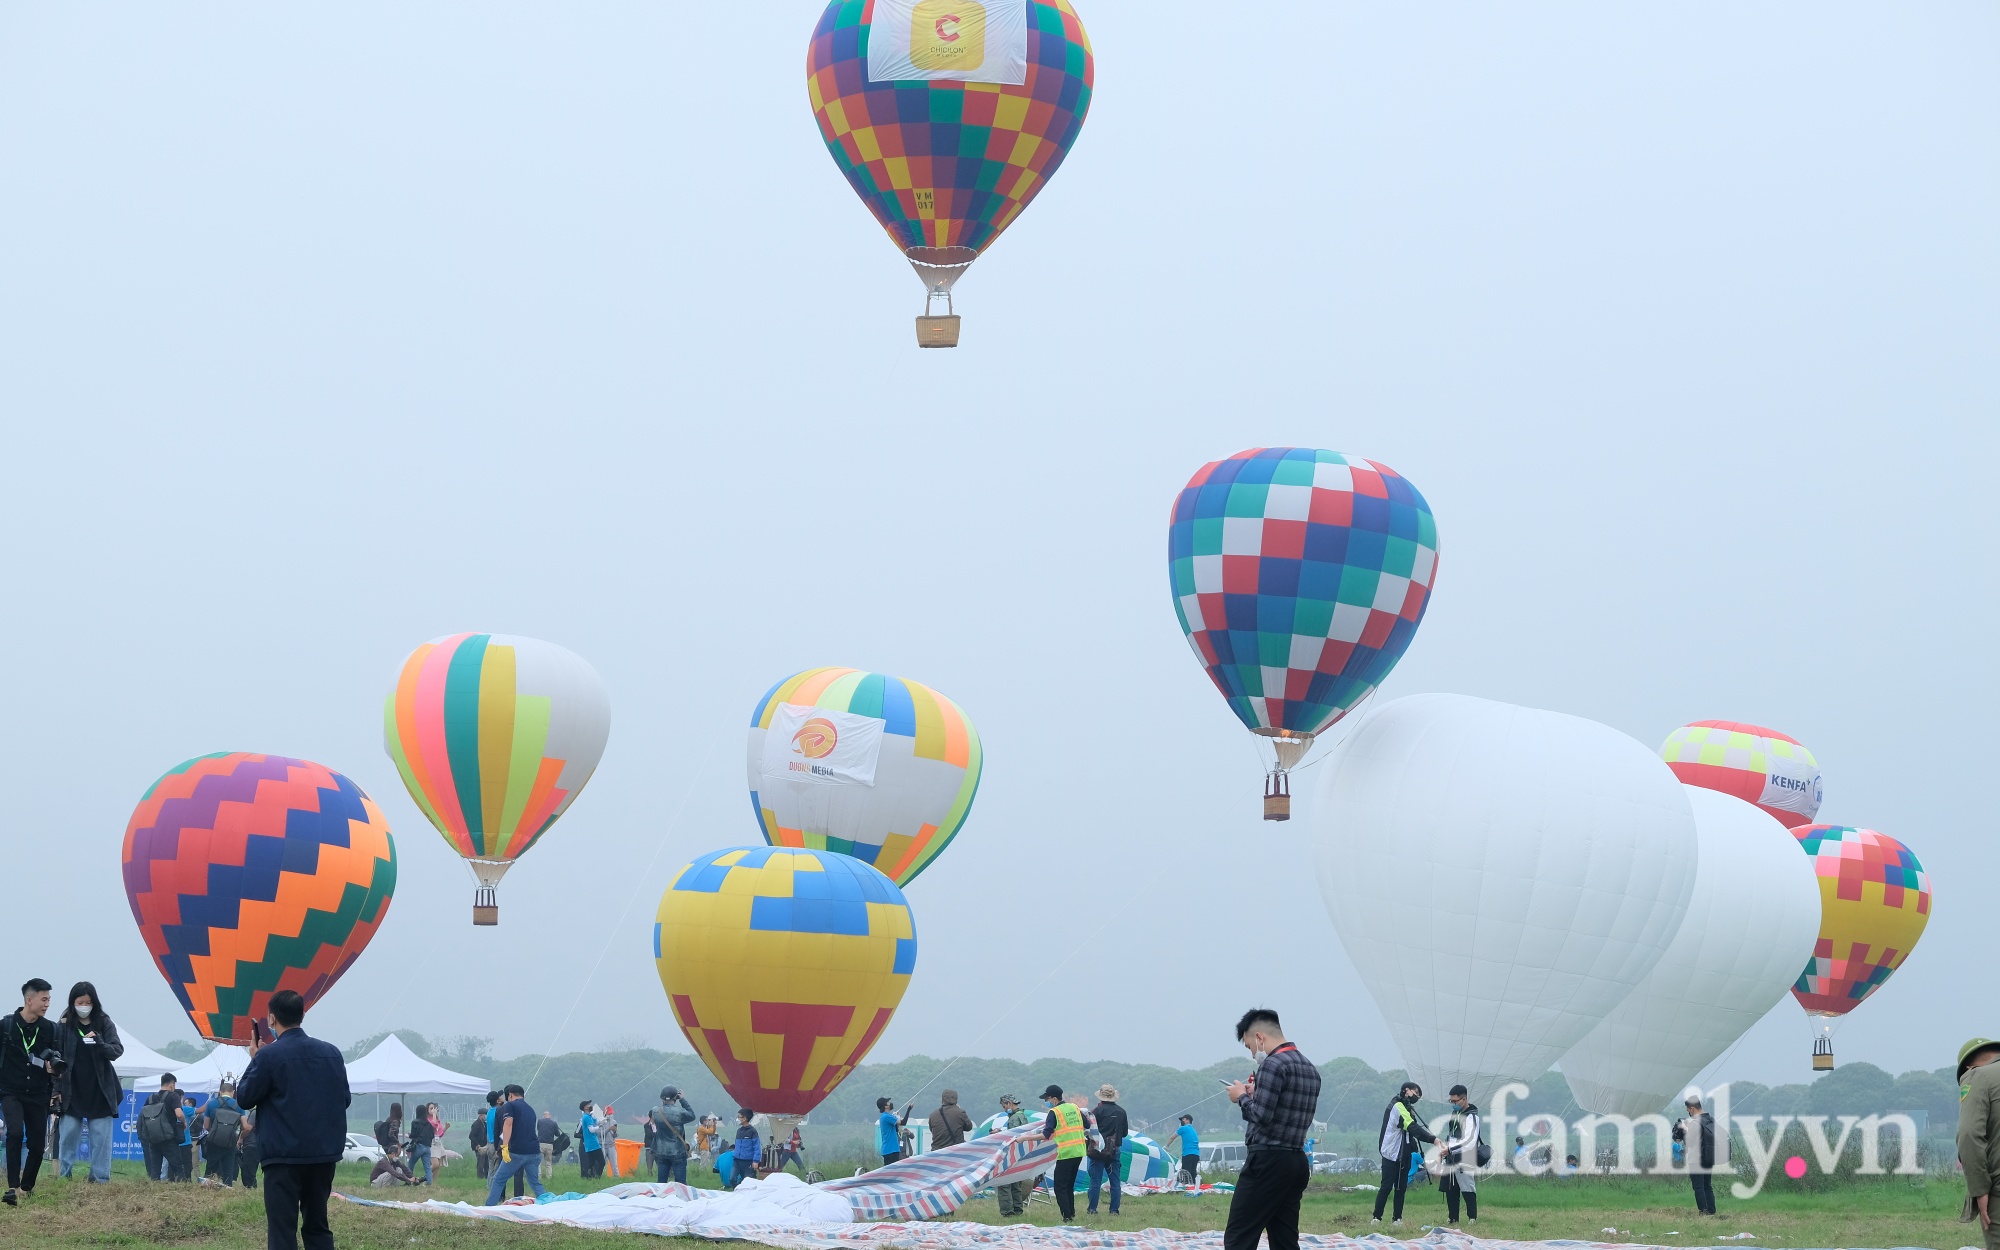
point(1376, 1222)
point(9, 1198)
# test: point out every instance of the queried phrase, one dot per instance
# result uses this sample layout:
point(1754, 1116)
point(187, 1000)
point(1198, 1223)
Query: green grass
point(1882, 1213)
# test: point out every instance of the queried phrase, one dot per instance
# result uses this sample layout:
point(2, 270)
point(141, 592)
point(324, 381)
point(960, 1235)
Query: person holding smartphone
point(88, 1087)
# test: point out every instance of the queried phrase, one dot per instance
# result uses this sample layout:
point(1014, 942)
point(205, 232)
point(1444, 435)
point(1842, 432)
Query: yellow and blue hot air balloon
point(495, 736)
point(783, 968)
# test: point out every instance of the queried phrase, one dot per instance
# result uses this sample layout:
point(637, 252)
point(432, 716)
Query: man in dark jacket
point(667, 1123)
point(1700, 1153)
point(1105, 1160)
point(297, 1085)
point(1277, 1103)
point(950, 1124)
point(27, 1039)
point(160, 1128)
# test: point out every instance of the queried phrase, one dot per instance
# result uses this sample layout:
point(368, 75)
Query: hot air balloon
point(1755, 764)
point(948, 117)
point(1501, 877)
point(1752, 919)
point(1875, 899)
point(868, 765)
point(495, 736)
point(1299, 577)
point(783, 967)
point(250, 874)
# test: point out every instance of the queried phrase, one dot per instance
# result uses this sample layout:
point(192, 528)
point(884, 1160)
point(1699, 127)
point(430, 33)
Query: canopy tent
point(205, 1075)
point(392, 1068)
point(140, 1060)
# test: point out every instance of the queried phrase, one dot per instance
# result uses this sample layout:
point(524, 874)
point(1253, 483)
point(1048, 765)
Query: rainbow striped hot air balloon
point(249, 874)
point(783, 967)
point(494, 736)
point(1875, 899)
point(865, 764)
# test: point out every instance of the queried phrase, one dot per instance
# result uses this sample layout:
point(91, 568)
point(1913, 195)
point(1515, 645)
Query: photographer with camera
point(30, 1060)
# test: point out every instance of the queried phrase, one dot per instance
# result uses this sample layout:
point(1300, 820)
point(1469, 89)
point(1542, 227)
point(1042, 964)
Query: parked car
point(1325, 1162)
point(1222, 1156)
point(361, 1148)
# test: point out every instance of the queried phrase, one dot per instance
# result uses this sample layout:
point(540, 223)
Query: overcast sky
point(325, 331)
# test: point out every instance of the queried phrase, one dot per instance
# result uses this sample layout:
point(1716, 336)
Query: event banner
point(953, 40)
point(819, 745)
point(1790, 785)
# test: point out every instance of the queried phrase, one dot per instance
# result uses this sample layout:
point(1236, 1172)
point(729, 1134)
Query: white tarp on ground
point(205, 1075)
point(780, 1201)
point(393, 1068)
point(140, 1060)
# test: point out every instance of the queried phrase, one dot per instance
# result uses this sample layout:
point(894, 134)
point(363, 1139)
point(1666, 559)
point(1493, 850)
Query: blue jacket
point(298, 1087)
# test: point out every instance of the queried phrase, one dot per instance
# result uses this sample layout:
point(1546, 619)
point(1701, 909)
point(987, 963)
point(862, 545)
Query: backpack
point(228, 1124)
point(560, 1145)
point(385, 1136)
point(156, 1126)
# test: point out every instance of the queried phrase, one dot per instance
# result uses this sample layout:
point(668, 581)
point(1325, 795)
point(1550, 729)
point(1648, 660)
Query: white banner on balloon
point(819, 745)
point(1790, 785)
point(948, 40)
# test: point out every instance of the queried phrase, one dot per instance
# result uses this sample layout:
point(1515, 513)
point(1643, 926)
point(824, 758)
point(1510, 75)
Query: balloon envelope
point(947, 154)
point(1501, 876)
point(1749, 762)
point(249, 874)
point(494, 737)
point(1875, 899)
point(864, 764)
point(1750, 923)
point(1299, 577)
point(783, 967)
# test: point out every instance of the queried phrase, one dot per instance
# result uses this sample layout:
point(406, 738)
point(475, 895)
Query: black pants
point(246, 1161)
point(1190, 1169)
point(155, 1157)
point(1704, 1192)
point(27, 1127)
point(296, 1193)
point(1064, 1182)
point(222, 1164)
point(1266, 1201)
point(1452, 1193)
point(1396, 1179)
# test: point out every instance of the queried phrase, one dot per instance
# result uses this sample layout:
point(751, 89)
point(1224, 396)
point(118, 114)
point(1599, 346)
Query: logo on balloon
point(816, 738)
point(948, 35)
point(947, 27)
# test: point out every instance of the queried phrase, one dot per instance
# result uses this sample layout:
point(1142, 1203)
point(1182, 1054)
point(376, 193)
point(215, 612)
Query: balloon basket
point(1823, 1055)
point(937, 331)
point(1277, 797)
point(485, 907)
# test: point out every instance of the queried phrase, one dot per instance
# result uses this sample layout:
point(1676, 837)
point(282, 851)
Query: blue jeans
point(100, 1145)
point(423, 1151)
point(1098, 1171)
point(674, 1168)
point(528, 1165)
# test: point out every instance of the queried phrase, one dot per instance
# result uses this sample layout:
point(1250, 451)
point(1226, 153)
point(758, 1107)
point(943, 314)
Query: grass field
point(1892, 1212)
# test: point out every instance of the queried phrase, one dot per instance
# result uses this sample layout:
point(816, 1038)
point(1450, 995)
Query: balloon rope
point(639, 885)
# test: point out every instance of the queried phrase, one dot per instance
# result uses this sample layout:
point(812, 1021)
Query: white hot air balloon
point(1501, 876)
point(1750, 927)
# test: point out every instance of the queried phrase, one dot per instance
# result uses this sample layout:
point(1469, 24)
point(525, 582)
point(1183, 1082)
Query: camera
point(52, 1061)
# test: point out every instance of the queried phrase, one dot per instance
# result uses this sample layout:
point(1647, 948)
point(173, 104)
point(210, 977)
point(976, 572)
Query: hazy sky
point(325, 331)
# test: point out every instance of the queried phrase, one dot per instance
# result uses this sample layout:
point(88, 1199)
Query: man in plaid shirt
point(1278, 1104)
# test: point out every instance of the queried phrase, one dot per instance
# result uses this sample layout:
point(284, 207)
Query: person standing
point(297, 1085)
point(520, 1149)
point(389, 1132)
point(480, 1135)
point(1402, 1129)
point(1460, 1157)
point(950, 1125)
point(889, 1129)
point(1979, 1134)
point(160, 1129)
point(669, 1123)
point(589, 1151)
point(749, 1149)
point(246, 1151)
point(1189, 1142)
point(706, 1135)
point(1014, 1194)
point(182, 1167)
point(1064, 1126)
point(1278, 1104)
point(546, 1133)
point(607, 1141)
point(222, 1124)
point(1107, 1159)
point(423, 1132)
point(1701, 1152)
point(27, 1042)
point(88, 1087)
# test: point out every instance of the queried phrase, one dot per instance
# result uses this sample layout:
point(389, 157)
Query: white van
point(1222, 1156)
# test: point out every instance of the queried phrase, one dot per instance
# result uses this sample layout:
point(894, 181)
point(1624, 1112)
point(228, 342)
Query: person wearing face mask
point(1460, 1157)
point(1278, 1104)
point(1402, 1129)
point(297, 1085)
point(1066, 1128)
point(27, 1051)
point(88, 1086)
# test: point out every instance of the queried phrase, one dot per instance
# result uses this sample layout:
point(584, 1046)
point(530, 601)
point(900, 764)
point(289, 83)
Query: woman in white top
point(1458, 1151)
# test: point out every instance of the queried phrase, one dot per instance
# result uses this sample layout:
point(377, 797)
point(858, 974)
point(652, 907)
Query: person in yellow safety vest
point(1065, 1126)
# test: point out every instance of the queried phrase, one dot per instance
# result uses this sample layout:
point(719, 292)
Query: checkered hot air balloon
point(1875, 899)
point(1761, 766)
point(783, 967)
point(495, 737)
point(249, 874)
point(865, 764)
point(948, 117)
point(1299, 577)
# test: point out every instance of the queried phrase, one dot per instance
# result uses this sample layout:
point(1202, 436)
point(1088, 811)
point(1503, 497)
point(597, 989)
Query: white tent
point(392, 1068)
point(140, 1060)
point(205, 1075)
